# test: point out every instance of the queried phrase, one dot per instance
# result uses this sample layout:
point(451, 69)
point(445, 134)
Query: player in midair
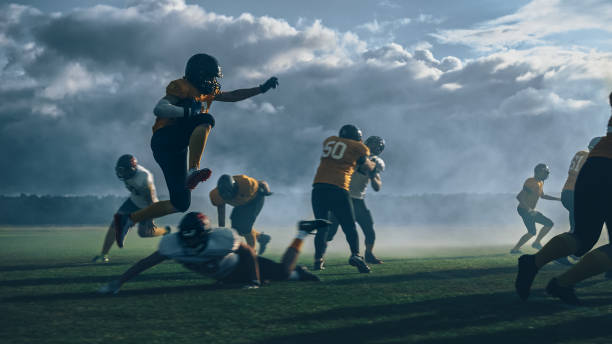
point(567, 194)
point(219, 254)
point(180, 133)
point(342, 154)
point(592, 208)
point(139, 181)
point(247, 196)
point(357, 191)
point(528, 198)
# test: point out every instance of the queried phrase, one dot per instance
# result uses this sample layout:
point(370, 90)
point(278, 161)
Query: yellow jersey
point(531, 192)
point(338, 161)
point(247, 190)
point(183, 89)
point(575, 166)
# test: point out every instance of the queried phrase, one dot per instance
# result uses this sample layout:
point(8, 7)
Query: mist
point(78, 88)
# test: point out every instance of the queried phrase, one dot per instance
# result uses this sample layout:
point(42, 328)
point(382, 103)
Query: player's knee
point(181, 204)
point(570, 242)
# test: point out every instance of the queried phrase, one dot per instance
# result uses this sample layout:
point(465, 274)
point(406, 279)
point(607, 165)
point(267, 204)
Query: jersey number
point(576, 164)
point(334, 149)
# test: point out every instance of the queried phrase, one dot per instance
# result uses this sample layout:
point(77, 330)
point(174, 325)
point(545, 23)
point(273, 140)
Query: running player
point(528, 198)
point(139, 181)
point(247, 196)
point(342, 154)
point(357, 191)
point(180, 133)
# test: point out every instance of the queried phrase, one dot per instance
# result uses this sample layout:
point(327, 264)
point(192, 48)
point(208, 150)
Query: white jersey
point(141, 186)
point(217, 260)
point(359, 181)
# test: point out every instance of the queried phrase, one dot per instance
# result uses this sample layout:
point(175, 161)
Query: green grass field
point(420, 295)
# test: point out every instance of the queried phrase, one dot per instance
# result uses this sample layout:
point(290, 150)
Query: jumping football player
point(567, 194)
point(528, 198)
point(342, 154)
point(139, 181)
point(180, 133)
point(592, 208)
point(219, 254)
point(357, 190)
point(246, 195)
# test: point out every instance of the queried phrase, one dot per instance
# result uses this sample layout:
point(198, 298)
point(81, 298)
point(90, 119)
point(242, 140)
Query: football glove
point(270, 83)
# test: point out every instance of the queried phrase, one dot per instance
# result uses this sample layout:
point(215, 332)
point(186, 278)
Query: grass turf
point(420, 295)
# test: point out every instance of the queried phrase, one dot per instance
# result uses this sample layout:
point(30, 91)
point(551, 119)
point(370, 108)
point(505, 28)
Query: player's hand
point(270, 83)
point(380, 164)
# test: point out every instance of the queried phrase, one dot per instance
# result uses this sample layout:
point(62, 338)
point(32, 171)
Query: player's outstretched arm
point(244, 93)
point(550, 198)
point(144, 264)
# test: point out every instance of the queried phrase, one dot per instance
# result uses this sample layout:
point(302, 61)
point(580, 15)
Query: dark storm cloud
point(79, 87)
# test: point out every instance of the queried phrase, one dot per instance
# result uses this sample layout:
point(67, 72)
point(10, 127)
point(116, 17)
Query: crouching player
point(246, 195)
point(592, 208)
point(139, 181)
point(528, 198)
point(357, 190)
point(219, 254)
point(180, 134)
point(342, 154)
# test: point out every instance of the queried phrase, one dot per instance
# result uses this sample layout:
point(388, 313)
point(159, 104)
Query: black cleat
point(527, 271)
point(358, 262)
point(263, 240)
point(306, 275)
point(311, 225)
point(371, 258)
point(319, 264)
point(566, 294)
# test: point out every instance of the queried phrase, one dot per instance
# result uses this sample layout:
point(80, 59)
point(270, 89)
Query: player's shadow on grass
point(186, 275)
point(15, 268)
point(448, 319)
point(427, 275)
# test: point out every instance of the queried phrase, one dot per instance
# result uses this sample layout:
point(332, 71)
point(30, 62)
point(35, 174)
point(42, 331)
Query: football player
point(528, 198)
point(219, 254)
point(567, 194)
point(592, 208)
point(180, 133)
point(139, 181)
point(357, 190)
point(246, 195)
point(342, 154)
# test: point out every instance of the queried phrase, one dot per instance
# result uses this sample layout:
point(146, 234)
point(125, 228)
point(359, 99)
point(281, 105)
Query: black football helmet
point(541, 171)
point(227, 186)
point(193, 229)
point(126, 166)
point(202, 71)
point(351, 132)
point(376, 144)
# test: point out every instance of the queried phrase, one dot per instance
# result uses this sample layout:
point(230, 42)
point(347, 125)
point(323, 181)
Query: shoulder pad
point(182, 89)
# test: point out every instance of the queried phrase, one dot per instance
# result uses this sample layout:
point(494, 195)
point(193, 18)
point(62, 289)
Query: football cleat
point(513, 251)
point(252, 285)
point(566, 294)
point(319, 264)
point(358, 262)
point(263, 240)
point(536, 245)
point(310, 226)
point(527, 270)
point(196, 177)
point(122, 224)
point(111, 288)
point(371, 258)
point(306, 275)
point(103, 258)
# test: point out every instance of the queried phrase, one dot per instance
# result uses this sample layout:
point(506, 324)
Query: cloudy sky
point(469, 95)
